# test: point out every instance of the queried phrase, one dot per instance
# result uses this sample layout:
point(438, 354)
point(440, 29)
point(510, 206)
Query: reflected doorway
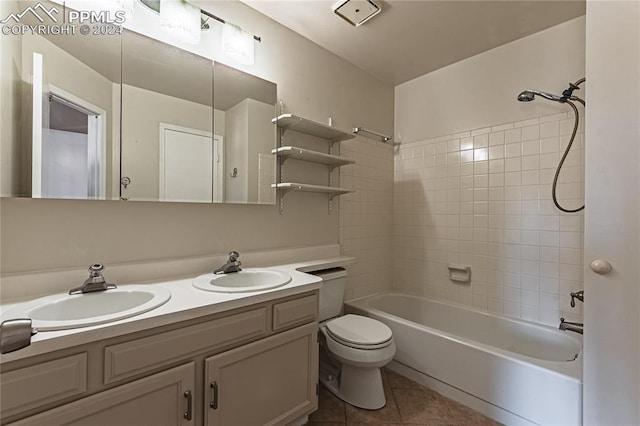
point(191, 165)
point(70, 152)
point(68, 142)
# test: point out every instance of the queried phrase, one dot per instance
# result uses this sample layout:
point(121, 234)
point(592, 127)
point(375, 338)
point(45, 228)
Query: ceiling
point(410, 38)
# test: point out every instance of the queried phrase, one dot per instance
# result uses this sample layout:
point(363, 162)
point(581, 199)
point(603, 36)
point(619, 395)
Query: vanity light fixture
point(151, 5)
point(357, 12)
point(181, 19)
point(237, 44)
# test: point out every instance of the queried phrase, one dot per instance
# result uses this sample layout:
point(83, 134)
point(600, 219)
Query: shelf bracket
point(281, 202)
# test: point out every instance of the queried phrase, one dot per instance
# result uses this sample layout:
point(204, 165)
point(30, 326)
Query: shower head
point(529, 95)
point(526, 96)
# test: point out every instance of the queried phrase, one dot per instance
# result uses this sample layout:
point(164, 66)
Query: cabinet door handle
point(188, 413)
point(214, 401)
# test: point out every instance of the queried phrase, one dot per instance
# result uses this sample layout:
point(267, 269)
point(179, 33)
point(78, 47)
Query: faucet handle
point(96, 269)
point(577, 295)
point(233, 256)
point(95, 281)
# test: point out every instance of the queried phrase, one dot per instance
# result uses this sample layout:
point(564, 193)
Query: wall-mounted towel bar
point(376, 135)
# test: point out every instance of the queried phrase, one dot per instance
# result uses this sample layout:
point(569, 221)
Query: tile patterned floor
point(408, 403)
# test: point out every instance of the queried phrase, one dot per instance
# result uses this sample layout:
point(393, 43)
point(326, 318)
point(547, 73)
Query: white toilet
point(353, 347)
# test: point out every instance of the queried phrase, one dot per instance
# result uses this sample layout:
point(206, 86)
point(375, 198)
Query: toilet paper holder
point(459, 273)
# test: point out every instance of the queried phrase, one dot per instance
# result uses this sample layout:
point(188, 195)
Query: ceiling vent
point(357, 12)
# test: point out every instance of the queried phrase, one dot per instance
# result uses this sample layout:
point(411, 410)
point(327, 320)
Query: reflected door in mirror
point(190, 165)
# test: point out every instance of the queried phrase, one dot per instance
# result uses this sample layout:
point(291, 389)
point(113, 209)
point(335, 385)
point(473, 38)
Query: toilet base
point(360, 387)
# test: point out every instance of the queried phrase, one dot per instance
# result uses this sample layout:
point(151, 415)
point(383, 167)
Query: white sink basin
point(247, 280)
point(62, 312)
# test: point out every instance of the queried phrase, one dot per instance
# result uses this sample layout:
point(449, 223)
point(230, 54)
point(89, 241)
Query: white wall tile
point(483, 197)
point(496, 152)
point(530, 132)
point(549, 129)
point(513, 150)
point(502, 127)
point(512, 136)
point(524, 123)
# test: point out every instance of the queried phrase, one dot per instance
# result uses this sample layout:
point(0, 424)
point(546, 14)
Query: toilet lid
point(359, 330)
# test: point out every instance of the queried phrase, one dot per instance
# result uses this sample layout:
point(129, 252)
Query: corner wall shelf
point(309, 127)
point(311, 156)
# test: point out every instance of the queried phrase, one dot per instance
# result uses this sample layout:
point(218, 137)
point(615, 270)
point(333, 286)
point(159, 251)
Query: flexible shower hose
point(564, 157)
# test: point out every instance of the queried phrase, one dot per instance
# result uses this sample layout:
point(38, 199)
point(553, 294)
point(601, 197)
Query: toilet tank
point(334, 282)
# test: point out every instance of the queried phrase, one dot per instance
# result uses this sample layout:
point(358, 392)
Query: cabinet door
point(161, 399)
point(268, 382)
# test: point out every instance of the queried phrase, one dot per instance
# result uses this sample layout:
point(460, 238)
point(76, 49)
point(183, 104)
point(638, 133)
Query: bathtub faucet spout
point(576, 327)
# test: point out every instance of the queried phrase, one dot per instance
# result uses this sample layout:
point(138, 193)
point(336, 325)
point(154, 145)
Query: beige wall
point(251, 133)
point(481, 91)
point(142, 113)
point(10, 93)
point(261, 136)
point(236, 153)
point(612, 215)
point(40, 234)
point(366, 216)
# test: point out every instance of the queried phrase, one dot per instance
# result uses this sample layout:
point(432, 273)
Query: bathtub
point(514, 371)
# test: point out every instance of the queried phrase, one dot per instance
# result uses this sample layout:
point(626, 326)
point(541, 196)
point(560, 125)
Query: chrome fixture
point(383, 138)
point(15, 334)
point(95, 282)
point(125, 181)
point(577, 295)
point(576, 327)
point(529, 95)
point(222, 21)
point(357, 12)
point(232, 265)
point(567, 98)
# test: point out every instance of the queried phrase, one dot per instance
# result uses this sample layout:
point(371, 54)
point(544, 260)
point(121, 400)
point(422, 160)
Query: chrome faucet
point(232, 265)
point(577, 295)
point(576, 327)
point(95, 282)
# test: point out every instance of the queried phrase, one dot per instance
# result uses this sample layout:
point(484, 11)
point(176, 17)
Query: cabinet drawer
point(295, 312)
point(136, 357)
point(41, 384)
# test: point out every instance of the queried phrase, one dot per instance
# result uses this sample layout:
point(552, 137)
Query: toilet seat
point(359, 332)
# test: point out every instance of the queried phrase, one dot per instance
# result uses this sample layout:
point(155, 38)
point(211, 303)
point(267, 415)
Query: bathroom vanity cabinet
point(253, 365)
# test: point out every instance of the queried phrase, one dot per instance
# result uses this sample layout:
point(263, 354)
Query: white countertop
point(186, 303)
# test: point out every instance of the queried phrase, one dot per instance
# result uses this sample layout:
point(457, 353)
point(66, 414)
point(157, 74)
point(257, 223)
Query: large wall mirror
point(193, 130)
point(168, 151)
point(133, 118)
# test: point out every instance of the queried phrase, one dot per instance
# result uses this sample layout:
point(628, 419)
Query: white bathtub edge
point(552, 394)
point(492, 411)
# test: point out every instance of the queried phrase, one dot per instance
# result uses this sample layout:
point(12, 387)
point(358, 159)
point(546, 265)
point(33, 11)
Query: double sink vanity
point(239, 349)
